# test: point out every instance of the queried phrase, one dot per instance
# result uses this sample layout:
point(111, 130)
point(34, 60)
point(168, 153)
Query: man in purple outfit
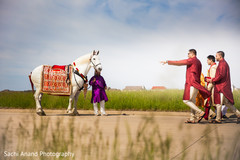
point(98, 93)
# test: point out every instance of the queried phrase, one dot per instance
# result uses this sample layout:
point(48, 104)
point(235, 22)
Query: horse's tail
point(30, 79)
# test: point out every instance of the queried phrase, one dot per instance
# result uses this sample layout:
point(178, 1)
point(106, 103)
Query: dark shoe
point(238, 120)
point(211, 121)
point(213, 115)
point(201, 117)
point(225, 117)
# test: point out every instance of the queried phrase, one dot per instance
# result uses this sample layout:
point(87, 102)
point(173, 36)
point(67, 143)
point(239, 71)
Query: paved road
point(189, 140)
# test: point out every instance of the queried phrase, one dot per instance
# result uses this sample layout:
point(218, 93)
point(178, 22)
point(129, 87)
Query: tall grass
point(88, 142)
point(166, 100)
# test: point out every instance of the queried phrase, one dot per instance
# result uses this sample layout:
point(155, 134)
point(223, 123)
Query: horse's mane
point(83, 59)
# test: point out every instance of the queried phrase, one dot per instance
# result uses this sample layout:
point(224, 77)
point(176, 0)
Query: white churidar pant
point(192, 103)
point(225, 101)
point(102, 107)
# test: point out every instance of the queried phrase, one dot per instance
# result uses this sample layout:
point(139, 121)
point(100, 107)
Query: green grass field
point(166, 100)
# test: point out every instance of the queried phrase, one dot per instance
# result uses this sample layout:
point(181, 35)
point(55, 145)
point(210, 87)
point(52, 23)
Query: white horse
point(82, 65)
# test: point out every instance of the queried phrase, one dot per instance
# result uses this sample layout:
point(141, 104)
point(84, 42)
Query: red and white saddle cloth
point(54, 80)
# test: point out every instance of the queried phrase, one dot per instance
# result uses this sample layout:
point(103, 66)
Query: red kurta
point(222, 82)
point(193, 73)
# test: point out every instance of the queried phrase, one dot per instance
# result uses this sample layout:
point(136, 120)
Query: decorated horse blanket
point(56, 80)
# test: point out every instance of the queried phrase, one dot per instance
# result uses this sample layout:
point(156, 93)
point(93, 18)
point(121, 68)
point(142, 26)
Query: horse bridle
point(82, 76)
point(94, 65)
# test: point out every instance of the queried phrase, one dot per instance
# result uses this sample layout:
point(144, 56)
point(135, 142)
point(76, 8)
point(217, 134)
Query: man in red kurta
point(192, 85)
point(222, 89)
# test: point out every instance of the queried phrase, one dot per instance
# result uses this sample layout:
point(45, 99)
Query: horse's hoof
point(41, 113)
point(69, 111)
point(76, 113)
point(72, 113)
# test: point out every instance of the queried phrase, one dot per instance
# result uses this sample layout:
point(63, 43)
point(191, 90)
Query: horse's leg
point(36, 80)
point(69, 109)
point(74, 91)
point(75, 103)
point(38, 97)
point(40, 101)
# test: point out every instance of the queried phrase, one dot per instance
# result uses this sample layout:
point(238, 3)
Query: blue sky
point(132, 36)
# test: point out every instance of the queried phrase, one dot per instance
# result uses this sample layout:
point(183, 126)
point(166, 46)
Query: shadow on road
point(87, 115)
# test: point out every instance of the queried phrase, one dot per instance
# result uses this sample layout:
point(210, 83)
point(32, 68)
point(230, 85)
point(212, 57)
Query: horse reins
point(76, 71)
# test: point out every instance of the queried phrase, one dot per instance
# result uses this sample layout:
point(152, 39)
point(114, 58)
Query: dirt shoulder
point(186, 139)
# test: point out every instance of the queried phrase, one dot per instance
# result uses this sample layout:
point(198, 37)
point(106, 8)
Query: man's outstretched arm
point(177, 63)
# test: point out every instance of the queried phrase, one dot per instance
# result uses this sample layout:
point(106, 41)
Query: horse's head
point(95, 62)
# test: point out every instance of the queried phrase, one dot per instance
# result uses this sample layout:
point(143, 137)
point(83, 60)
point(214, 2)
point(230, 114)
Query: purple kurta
point(98, 89)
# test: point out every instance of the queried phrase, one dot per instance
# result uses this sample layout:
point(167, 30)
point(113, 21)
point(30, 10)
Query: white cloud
point(132, 37)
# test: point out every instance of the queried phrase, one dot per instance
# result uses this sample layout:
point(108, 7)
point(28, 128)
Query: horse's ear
point(94, 52)
point(97, 52)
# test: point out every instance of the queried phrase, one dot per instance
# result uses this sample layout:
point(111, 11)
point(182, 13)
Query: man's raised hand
point(163, 62)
